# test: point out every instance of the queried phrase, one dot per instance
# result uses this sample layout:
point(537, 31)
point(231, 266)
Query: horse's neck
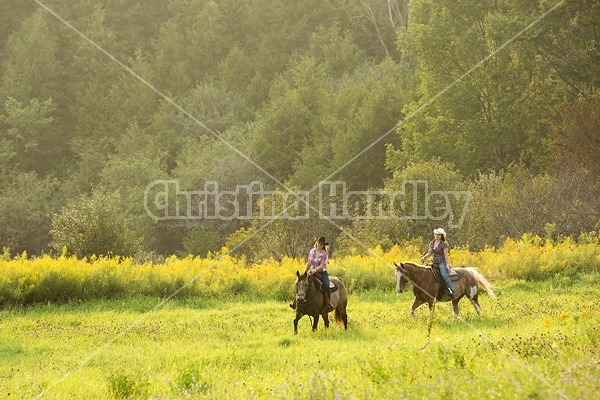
point(417, 269)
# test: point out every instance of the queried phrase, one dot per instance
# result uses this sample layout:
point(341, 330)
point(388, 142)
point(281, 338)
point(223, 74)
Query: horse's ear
point(297, 274)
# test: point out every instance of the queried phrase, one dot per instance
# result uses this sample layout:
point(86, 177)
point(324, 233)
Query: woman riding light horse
point(426, 287)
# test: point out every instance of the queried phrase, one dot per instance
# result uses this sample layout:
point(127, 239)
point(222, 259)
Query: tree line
point(479, 97)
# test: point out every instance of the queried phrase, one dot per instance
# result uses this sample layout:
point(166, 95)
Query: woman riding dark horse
point(317, 265)
point(310, 301)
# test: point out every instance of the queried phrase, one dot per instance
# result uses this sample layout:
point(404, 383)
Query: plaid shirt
point(438, 252)
point(315, 259)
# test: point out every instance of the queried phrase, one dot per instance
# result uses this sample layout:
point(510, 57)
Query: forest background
point(474, 96)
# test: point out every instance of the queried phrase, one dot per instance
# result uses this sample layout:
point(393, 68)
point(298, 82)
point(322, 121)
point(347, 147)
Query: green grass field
point(534, 341)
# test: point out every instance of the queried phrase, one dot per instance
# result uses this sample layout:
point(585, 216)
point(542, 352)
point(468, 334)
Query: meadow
point(535, 340)
point(218, 328)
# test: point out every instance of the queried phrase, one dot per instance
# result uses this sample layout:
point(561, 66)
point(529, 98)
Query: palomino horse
point(425, 286)
point(309, 300)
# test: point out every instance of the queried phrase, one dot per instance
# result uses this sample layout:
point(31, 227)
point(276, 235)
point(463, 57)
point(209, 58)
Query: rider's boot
point(328, 306)
point(451, 293)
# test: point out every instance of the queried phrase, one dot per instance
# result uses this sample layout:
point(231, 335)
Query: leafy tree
point(215, 109)
point(94, 226)
point(578, 142)
point(170, 65)
point(516, 202)
point(284, 226)
point(236, 73)
point(337, 51)
point(210, 161)
point(30, 68)
point(26, 207)
point(93, 75)
point(136, 164)
point(292, 114)
point(206, 35)
point(355, 115)
point(491, 116)
point(200, 242)
point(28, 147)
point(414, 201)
point(567, 45)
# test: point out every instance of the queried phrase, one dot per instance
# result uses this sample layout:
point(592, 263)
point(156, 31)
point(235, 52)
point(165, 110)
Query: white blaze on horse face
point(398, 278)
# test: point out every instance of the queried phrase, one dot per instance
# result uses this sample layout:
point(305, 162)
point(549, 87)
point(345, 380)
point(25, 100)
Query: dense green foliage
point(294, 93)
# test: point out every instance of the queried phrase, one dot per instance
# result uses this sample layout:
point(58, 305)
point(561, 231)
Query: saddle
point(452, 274)
point(319, 283)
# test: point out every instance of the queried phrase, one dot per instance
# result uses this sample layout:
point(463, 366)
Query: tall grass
point(26, 281)
point(525, 346)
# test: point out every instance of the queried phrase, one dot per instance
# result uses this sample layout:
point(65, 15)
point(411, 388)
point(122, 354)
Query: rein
point(416, 284)
point(309, 302)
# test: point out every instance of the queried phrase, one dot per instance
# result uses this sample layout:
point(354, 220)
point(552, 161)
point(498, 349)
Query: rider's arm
point(310, 258)
point(426, 255)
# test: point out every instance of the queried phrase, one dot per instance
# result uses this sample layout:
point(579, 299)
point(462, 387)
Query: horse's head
point(400, 277)
point(303, 283)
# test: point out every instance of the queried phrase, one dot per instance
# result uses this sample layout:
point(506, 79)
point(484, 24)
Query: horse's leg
point(475, 302)
point(326, 319)
point(416, 304)
point(298, 316)
point(455, 307)
point(315, 322)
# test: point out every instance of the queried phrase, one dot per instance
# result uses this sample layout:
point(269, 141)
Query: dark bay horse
point(425, 286)
point(309, 301)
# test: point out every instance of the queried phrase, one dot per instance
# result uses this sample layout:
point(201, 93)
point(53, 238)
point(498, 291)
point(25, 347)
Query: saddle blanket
point(453, 275)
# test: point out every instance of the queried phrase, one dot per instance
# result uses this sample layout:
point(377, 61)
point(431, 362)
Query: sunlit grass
point(536, 340)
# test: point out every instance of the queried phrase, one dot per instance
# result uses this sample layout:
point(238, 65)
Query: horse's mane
point(415, 264)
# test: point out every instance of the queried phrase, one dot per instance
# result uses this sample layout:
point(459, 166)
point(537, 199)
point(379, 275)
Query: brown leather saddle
point(319, 283)
point(437, 275)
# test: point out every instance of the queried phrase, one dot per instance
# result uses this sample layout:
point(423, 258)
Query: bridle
point(416, 284)
point(309, 284)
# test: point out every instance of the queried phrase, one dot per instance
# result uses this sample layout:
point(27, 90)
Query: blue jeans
point(325, 280)
point(445, 276)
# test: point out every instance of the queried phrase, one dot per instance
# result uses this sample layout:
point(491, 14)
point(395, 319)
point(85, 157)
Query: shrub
point(94, 226)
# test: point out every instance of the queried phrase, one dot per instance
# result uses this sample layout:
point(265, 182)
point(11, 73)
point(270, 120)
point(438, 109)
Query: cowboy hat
point(322, 241)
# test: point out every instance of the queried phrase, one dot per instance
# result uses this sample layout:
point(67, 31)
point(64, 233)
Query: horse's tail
point(340, 308)
point(338, 316)
point(481, 281)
